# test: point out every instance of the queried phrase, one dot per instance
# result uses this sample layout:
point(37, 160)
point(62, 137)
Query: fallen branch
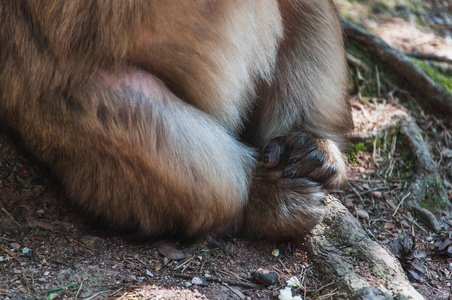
point(425, 86)
point(342, 250)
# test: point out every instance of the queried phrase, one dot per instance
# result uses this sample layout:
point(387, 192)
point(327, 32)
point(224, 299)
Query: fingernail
point(288, 173)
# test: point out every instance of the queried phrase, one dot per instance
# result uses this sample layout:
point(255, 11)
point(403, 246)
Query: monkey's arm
point(302, 120)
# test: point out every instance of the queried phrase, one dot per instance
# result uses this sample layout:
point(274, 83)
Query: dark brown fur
point(151, 113)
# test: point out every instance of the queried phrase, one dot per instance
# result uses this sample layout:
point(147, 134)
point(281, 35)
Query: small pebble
point(199, 281)
point(130, 278)
point(265, 279)
point(389, 225)
point(15, 246)
point(169, 251)
point(376, 194)
point(149, 273)
point(348, 203)
point(158, 266)
point(92, 241)
point(362, 214)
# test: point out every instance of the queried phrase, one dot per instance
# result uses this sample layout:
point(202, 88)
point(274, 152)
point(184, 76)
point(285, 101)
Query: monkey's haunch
point(152, 114)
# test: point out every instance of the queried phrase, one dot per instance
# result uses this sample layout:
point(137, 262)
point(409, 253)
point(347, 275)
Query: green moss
point(380, 8)
point(435, 195)
point(367, 146)
point(406, 159)
point(420, 22)
point(388, 141)
point(441, 79)
point(352, 86)
point(352, 158)
point(357, 147)
point(356, 49)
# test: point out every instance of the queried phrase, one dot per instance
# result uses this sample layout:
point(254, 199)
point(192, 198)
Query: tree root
point(425, 86)
point(342, 250)
point(427, 196)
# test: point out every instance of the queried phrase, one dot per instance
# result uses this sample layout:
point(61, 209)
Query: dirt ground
point(49, 251)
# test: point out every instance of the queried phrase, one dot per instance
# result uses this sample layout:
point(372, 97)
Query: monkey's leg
point(302, 119)
point(133, 154)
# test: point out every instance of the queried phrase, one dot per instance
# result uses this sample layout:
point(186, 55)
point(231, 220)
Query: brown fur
point(151, 113)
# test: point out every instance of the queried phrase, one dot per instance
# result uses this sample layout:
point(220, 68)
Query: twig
point(400, 203)
point(374, 150)
point(80, 288)
point(11, 217)
point(329, 295)
point(185, 264)
point(97, 294)
point(7, 251)
point(221, 280)
point(356, 192)
point(377, 75)
point(226, 272)
point(284, 267)
point(416, 224)
point(57, 261)
point(27, 282)
point(355, 62)
point(238, 293)
point(73, 241)
point(367, 191)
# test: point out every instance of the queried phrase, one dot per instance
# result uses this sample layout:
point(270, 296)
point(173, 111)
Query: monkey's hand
point(298, 155)
point(288, 188)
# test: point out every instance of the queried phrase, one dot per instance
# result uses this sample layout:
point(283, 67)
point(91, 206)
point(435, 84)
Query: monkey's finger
point(271, 154)
point(305, 165)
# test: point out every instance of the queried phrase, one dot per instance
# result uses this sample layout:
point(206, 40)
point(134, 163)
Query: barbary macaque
point(181, 119)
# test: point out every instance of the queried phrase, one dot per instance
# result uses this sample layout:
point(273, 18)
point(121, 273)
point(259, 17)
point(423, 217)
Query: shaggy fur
point(152, 114)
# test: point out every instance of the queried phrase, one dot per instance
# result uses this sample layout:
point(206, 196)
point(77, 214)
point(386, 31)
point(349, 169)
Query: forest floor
point(48, 251)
